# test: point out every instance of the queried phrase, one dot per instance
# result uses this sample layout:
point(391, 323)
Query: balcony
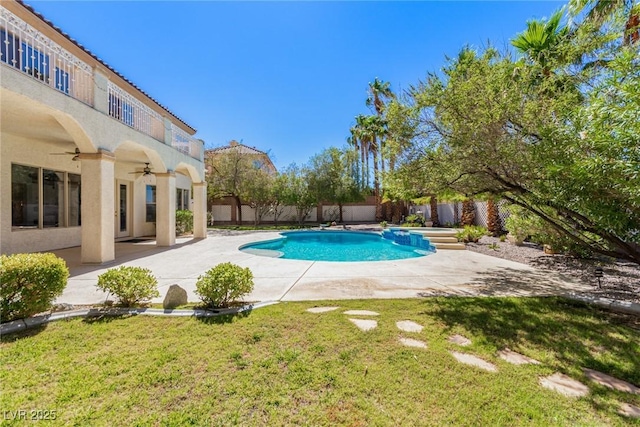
point(28, 51)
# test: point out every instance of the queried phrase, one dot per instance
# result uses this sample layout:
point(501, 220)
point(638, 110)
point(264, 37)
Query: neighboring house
point(259, 158)
point(76, 138)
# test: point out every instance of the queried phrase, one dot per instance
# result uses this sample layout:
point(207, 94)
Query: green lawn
point(280, 365)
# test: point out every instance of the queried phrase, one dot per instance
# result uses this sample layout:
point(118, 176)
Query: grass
point(281, 365)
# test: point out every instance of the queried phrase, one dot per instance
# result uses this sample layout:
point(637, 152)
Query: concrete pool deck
point(463, 273)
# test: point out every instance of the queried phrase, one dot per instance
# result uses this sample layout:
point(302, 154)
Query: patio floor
point(442, 273)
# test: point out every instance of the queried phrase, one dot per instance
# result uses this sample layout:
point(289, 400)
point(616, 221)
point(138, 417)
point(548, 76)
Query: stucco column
point(166, 209)
point(97, 208)
point(200, 210)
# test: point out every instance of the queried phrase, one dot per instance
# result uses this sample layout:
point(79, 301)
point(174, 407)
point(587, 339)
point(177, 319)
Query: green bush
point(471, 233)
point(29, 283)
point(383, 224)
point(223, 284)
point(184, 222)
point(130, 284)
point(413, 221)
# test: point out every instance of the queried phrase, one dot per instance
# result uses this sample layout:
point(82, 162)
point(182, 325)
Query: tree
point(296, 191)
point(568, 155)
point(258, 191)
point(494, 225)
point(331, 178)
point(227, 176)
point(541, 40)
point(601, 11)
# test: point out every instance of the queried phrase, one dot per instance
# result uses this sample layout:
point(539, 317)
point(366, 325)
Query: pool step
point(440, 239)
point(449, 246)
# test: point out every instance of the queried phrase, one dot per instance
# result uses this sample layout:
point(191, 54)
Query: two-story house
point(86, 157)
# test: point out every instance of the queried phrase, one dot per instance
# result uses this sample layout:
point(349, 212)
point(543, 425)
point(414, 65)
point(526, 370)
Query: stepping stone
point(516, 358)
point(365, 325)
point(361, 313)
point(469, 359)
point(564, 385)
point(628, 410)
point(321, 309)
point(409, 342)
point(460, 340)
point(409, 326)
point(611, 382)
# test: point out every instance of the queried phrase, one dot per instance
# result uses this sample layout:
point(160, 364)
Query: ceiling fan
point(145, 171)
point(76, 154)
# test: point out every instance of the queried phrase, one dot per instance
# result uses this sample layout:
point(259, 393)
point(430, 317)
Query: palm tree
point(372, 129)
point(600, 11)
point(540, 40)
point(379, 92)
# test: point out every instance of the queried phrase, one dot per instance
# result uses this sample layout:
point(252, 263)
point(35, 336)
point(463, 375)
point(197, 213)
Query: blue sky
point(284, 77)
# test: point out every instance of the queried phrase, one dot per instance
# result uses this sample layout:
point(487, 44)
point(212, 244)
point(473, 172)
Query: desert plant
point(184, 222)
point(414, 221)
point(224, 284)
point(130, 284)
point(29, 283)
point(471, 233)
point(503, 237)
point(383, 224)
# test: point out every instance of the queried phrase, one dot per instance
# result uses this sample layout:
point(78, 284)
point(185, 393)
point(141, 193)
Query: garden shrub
point(130, 284)
point(184, 222)
point(414, 221)
point(224, 284)
point(471, 233)
point(29, 283)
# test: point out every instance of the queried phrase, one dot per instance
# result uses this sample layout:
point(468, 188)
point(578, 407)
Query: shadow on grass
point(579, 335)
point(106, 317)
point(222, 318)
point(27, 333)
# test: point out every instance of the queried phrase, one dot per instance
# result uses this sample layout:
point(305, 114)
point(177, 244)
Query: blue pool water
point(338, 246)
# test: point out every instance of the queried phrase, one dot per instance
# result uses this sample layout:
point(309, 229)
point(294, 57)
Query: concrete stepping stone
point(321, 309)
point(629, 410)
point(409, 326)
point(611, 382)
point(361, 313)
point(564, 385)
point(410, 342)
point(470, 359)
point(460, 340)
point(516, 358)
point(365, 324)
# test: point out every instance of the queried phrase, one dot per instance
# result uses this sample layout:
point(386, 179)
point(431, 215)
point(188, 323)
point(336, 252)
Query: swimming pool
point(328, 245)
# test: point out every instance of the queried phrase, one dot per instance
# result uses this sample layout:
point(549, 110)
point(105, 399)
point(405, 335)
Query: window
point(52, 198)
point(151, 203)
point(34, 63)
point(9, 49)
point(62, 80)
point(43, 198)
point(73, 185)
point(120, 110)
point(25, 199)
point(182, 199)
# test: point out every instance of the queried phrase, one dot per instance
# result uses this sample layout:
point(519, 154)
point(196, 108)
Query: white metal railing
point(132, 112)
point(27, 50)
point(185, 143)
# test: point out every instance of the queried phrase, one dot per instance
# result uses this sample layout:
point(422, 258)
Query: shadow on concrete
point(124, 252)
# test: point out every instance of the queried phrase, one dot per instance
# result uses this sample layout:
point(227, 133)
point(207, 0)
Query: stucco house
point(259, 158)
point(86, 157)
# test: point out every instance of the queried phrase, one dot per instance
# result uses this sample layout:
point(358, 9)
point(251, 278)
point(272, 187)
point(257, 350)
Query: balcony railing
point(27, 50)
point(185, 143)
point(131, 112)
point(30, 52)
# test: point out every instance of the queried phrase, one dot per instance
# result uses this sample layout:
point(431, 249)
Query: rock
point(469, 359)
point(564, 385)
point(361, 313)
point(175, 296)
point(410, 342)
point(321, 309)
point(364, 325)
point(409, 326)
point(460, 340)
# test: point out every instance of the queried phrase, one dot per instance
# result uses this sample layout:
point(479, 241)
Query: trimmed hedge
point(29, 283)
point(224, 284)
point(130, 284)
point(184, 222)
